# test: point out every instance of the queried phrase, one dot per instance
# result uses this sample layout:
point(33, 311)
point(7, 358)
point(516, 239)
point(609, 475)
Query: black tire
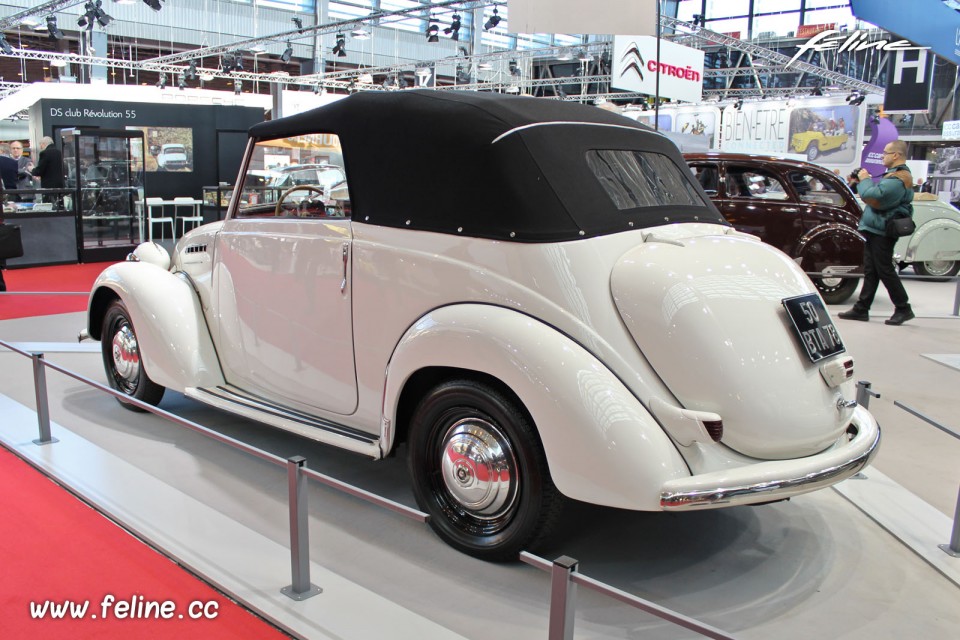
point(836, 290)
point(813, 151)
point(121, 358)
point(487, 432)
point(939, 269)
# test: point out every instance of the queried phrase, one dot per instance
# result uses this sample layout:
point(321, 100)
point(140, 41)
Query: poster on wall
point(826, 135)
point(700, 122)
point(167, 148)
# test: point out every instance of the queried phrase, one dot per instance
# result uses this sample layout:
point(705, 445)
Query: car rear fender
point(937, 239)
point(830, 244)
point(602, 445)
point(175, 346)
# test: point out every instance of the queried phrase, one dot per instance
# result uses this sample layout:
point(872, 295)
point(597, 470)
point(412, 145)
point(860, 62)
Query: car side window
point(812, 189)
point(750, 182)
point(299, 177)
point(708, 177)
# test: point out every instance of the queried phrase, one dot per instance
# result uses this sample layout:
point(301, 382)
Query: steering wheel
point(299, 187)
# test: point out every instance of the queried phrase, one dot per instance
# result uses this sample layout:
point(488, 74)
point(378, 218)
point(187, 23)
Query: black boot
point(900, 316)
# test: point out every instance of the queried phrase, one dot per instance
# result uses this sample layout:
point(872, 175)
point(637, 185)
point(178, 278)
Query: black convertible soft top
point(484, 164)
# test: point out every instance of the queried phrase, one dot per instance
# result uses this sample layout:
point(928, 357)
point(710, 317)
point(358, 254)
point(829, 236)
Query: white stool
point(195, 217)
point(162, 219)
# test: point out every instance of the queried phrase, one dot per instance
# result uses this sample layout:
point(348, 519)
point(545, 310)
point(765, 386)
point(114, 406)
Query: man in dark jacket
point(50, 165)
point(891, 195)
point(8, 171)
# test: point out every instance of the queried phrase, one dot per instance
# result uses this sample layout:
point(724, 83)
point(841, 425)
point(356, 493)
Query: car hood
point(707, 312)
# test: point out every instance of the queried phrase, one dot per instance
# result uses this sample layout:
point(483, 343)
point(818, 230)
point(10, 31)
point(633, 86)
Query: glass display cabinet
point(104, 169)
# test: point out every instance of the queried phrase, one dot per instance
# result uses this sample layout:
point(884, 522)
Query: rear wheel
point(836, 290)
point(937, 268)
point(121, 358)
point(479, 470)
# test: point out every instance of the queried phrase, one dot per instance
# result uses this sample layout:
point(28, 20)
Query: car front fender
point(830, 244)
point(175, 345)
point(602, 445)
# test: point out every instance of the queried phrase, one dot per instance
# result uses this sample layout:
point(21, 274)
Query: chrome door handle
point(343, 283)
point(791, 209)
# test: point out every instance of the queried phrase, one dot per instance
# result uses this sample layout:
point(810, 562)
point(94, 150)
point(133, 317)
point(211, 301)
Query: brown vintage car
point(802, 209)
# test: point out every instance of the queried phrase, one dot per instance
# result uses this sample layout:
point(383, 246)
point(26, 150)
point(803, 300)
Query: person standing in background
point(24, 164)
point(8, 168)
point(50, 165)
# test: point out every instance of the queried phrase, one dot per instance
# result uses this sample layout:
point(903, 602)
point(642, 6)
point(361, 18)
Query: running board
point(262, 410)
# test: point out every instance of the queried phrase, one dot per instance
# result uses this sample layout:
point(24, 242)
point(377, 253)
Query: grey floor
point(858, 562)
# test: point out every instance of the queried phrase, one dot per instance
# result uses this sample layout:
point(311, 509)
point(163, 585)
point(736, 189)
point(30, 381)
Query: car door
point(755, 200)
point(284, 303)
point(830, 217)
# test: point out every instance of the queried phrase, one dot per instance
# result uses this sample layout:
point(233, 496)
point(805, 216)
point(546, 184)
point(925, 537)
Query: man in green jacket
point(892, 194)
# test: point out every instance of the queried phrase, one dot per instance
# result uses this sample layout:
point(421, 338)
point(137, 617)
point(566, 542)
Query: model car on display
point(802, 209)
point(173, 157)
point(542, 306)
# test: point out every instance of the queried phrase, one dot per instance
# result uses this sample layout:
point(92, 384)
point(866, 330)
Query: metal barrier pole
point(301, 589)
point(956, 300)
point(43, 408)
point(954, 547)
point(864, 392)
point(563, 598)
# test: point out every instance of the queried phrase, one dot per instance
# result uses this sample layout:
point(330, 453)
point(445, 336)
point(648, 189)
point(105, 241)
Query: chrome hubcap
point(126, 356)
point(478, 468)
point(938, 267)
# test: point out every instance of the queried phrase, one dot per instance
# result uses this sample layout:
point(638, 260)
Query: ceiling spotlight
point(191, 72)
point(492, 21)
point(237, 61)
point(53, 32)
point(154, 4)
point(181, 82)
point(298, 22)
point(856, 98)
point(237, 87)
point(432, 30)
point(5, 46)
point(454, 29)
point(514, 68)
point(583, 56)
point(816, 91)
point(316, 89)
point(738, 104)
point(360, 34)
point(102, 18)
point(341, 47)
point(162, 82)
point(287, 53)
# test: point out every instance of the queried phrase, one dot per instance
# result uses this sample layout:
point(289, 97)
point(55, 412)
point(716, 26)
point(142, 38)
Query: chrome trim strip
point(584, 124)
point(239, 397)
point(770, 490)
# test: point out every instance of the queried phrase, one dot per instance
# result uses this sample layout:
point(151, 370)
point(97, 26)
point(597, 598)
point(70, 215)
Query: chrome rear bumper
point(776, 479)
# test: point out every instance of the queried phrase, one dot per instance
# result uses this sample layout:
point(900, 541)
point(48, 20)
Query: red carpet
point(54, 549)
point(70, 277)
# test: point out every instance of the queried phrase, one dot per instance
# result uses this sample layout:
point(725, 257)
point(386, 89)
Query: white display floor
point(815, 565)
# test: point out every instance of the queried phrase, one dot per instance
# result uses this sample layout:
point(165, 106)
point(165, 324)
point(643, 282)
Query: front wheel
point(121, 358)
point(937, 268)
point(813, 151)
point(836, 290)
point(479, 470)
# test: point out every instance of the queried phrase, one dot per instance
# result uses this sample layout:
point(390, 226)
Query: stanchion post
point(954, 547)
point(563, 598)
point(864, 392)
point(300, 589)
point(43, 407)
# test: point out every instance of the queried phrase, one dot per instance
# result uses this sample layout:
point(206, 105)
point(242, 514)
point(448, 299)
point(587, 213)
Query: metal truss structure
point(525, 69)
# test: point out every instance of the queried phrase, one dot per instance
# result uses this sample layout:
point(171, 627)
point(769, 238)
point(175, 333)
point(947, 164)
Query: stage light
point(153, 4)
point(583, 56)
point(287, 53)
point(237, 87)
point(298, 22)
point(739, 104)
point(341, 47)
point(432, 30)
point(182, 82)
point(492, 21)
point(454, 29)
point(53, 32)
point(5, 46)
point(191, 72)
point(162, 82)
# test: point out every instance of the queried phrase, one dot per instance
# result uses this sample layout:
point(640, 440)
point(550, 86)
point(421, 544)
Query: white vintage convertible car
point(533, 295)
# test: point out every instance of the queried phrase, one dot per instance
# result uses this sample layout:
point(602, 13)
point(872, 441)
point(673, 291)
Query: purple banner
point(882, 132)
